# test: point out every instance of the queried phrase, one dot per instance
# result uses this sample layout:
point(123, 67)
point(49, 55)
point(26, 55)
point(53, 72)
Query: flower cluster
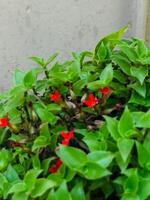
point(4, 122)
point(55, 167)
point(55, 96)
point(67, 137)
point(66, 141)
point(91, 101)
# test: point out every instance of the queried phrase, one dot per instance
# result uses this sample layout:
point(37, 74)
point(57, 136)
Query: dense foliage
point(79, 130)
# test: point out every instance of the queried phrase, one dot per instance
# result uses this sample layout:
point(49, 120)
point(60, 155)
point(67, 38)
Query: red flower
point(4, 122)
point(67, 137)
point(55, 96)
point(55, 167)
point(91, 101)
point(65, 142)
point(105, 91)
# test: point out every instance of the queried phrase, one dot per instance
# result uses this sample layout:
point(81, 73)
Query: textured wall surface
point(40, 27)
point(147, 36)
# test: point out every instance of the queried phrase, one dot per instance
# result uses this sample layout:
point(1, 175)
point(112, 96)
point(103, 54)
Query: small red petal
point(65, 142)
point(64, 134)
point(4, 122)
point(56, 96)
point(70, 134)
point(91, 101)
point(105, 91)
point(53, 169)
point(59, 163)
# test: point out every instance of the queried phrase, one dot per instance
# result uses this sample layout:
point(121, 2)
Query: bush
point(79, 130)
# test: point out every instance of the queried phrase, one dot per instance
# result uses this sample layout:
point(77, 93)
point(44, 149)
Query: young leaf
point(140, 89)
point(139, 72)
point(20, 196)
point(40, 142)
point(126, 122)
point(77, 193)
point(143, 155)
point(41, 186)
point(38, 60)
point(103, 158)
point(5, 157)
point(30, 79)
point(18, 76)
point(125, 147)
point(123, 63)
point(30, 178)
point(106, 75)
point(129, 52)
point(102, 52)
point(111, 39)
point(112, 126)
point(94, 171)
point(72, 157)
point(62, 192)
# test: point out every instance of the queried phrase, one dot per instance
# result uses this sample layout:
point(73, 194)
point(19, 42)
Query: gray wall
point(40, 27)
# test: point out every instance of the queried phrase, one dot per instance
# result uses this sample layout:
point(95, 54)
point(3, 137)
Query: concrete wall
point(147, 35)
point(40, 27)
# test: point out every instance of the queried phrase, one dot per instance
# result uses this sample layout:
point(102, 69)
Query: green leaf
point(111, 40)
point(102, 52)
point(3, 181)
point(74, 70)
point(130, 197)
point(20, 196)
point(137, 99)
point(51, 59)
point(62, 192)
point(125, 124)
point(44, 131)
point(144, 189)
point(79, 85)
point(125, 147)
point(38, 60)
point(30, 178)
point(5, 157)
point(95, 85)
point(120, 162)
point(143, 156)
point(145, 120)
point(112, 126)
point(120, 76)
point(72, 157)
point(45, 115)
point(123, 63)
point(54, 107)
point(103, 158)
point(142, 49)
point(40, 141)
point(18, 187)
point(106, 75)
point(140, 73)
point(141, 119)
point(36, 162)
point(77, 193)
point(140, 89)
point(11, 175)
point(131, 184)
point(30, 79)
point(93, 143)
point(129, 52)
point(14, 102)
point(41, 186)
point(18, 76)
point(94, 171)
